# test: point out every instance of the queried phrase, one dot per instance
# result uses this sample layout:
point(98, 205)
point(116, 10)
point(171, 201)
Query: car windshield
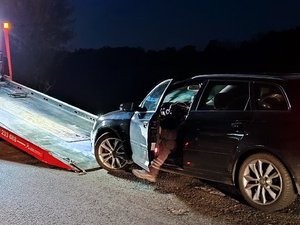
point(184, 94)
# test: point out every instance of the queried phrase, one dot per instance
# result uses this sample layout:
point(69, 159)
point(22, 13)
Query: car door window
point(152, 100)
point(225, 96)
point(269, 97)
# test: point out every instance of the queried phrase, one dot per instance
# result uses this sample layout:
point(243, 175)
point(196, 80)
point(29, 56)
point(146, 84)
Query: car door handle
point(145, 124)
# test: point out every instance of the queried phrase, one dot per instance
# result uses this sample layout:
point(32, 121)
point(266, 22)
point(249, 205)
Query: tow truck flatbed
point(50, 130)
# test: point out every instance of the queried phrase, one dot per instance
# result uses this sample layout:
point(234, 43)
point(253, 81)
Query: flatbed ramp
point(50, 130)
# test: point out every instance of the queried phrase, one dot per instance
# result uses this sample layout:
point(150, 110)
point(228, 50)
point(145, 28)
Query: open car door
point(140, 121)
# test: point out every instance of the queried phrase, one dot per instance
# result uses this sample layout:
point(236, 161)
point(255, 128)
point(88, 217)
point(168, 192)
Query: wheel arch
point(124, 137)
point(102, 131)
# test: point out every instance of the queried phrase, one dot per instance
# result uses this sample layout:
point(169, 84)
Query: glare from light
point(6, 25)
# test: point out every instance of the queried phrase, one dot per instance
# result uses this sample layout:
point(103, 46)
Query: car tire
point(110, 153)
point(265, 183)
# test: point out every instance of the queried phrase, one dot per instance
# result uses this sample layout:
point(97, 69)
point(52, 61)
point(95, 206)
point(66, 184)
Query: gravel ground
point(223, 202)
point(35, 193)
point(218, 201)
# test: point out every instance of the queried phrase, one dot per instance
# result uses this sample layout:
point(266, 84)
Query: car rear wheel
point(110, 152)
point(265, 183)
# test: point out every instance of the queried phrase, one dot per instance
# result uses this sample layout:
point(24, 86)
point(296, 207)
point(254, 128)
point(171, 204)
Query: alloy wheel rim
point(262, 182)
point(112, 154)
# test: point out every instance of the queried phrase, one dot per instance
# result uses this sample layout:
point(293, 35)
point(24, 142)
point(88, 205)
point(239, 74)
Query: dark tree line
point(275, 51)
point(99, 79)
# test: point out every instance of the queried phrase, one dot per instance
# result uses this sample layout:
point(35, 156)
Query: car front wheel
point(265, 183)
point(110, 152)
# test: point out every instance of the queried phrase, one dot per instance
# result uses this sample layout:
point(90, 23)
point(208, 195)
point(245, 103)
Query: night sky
point(157, 24)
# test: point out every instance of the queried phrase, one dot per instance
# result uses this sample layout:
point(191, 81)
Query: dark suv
point(241, 130)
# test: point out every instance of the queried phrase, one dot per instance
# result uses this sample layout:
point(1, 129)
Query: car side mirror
point(131, 107)
point(128, 107)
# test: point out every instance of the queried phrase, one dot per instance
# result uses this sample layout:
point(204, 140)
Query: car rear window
point(269, 97)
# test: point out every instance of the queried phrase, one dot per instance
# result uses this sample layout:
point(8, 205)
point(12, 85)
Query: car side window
point(269, 97)
point(152, 100)
point(225, 96)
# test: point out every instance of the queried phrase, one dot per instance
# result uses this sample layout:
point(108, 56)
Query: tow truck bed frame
point(46, 128)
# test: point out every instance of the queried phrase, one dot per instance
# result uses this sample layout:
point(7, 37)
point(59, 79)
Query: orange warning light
point(6, 25)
